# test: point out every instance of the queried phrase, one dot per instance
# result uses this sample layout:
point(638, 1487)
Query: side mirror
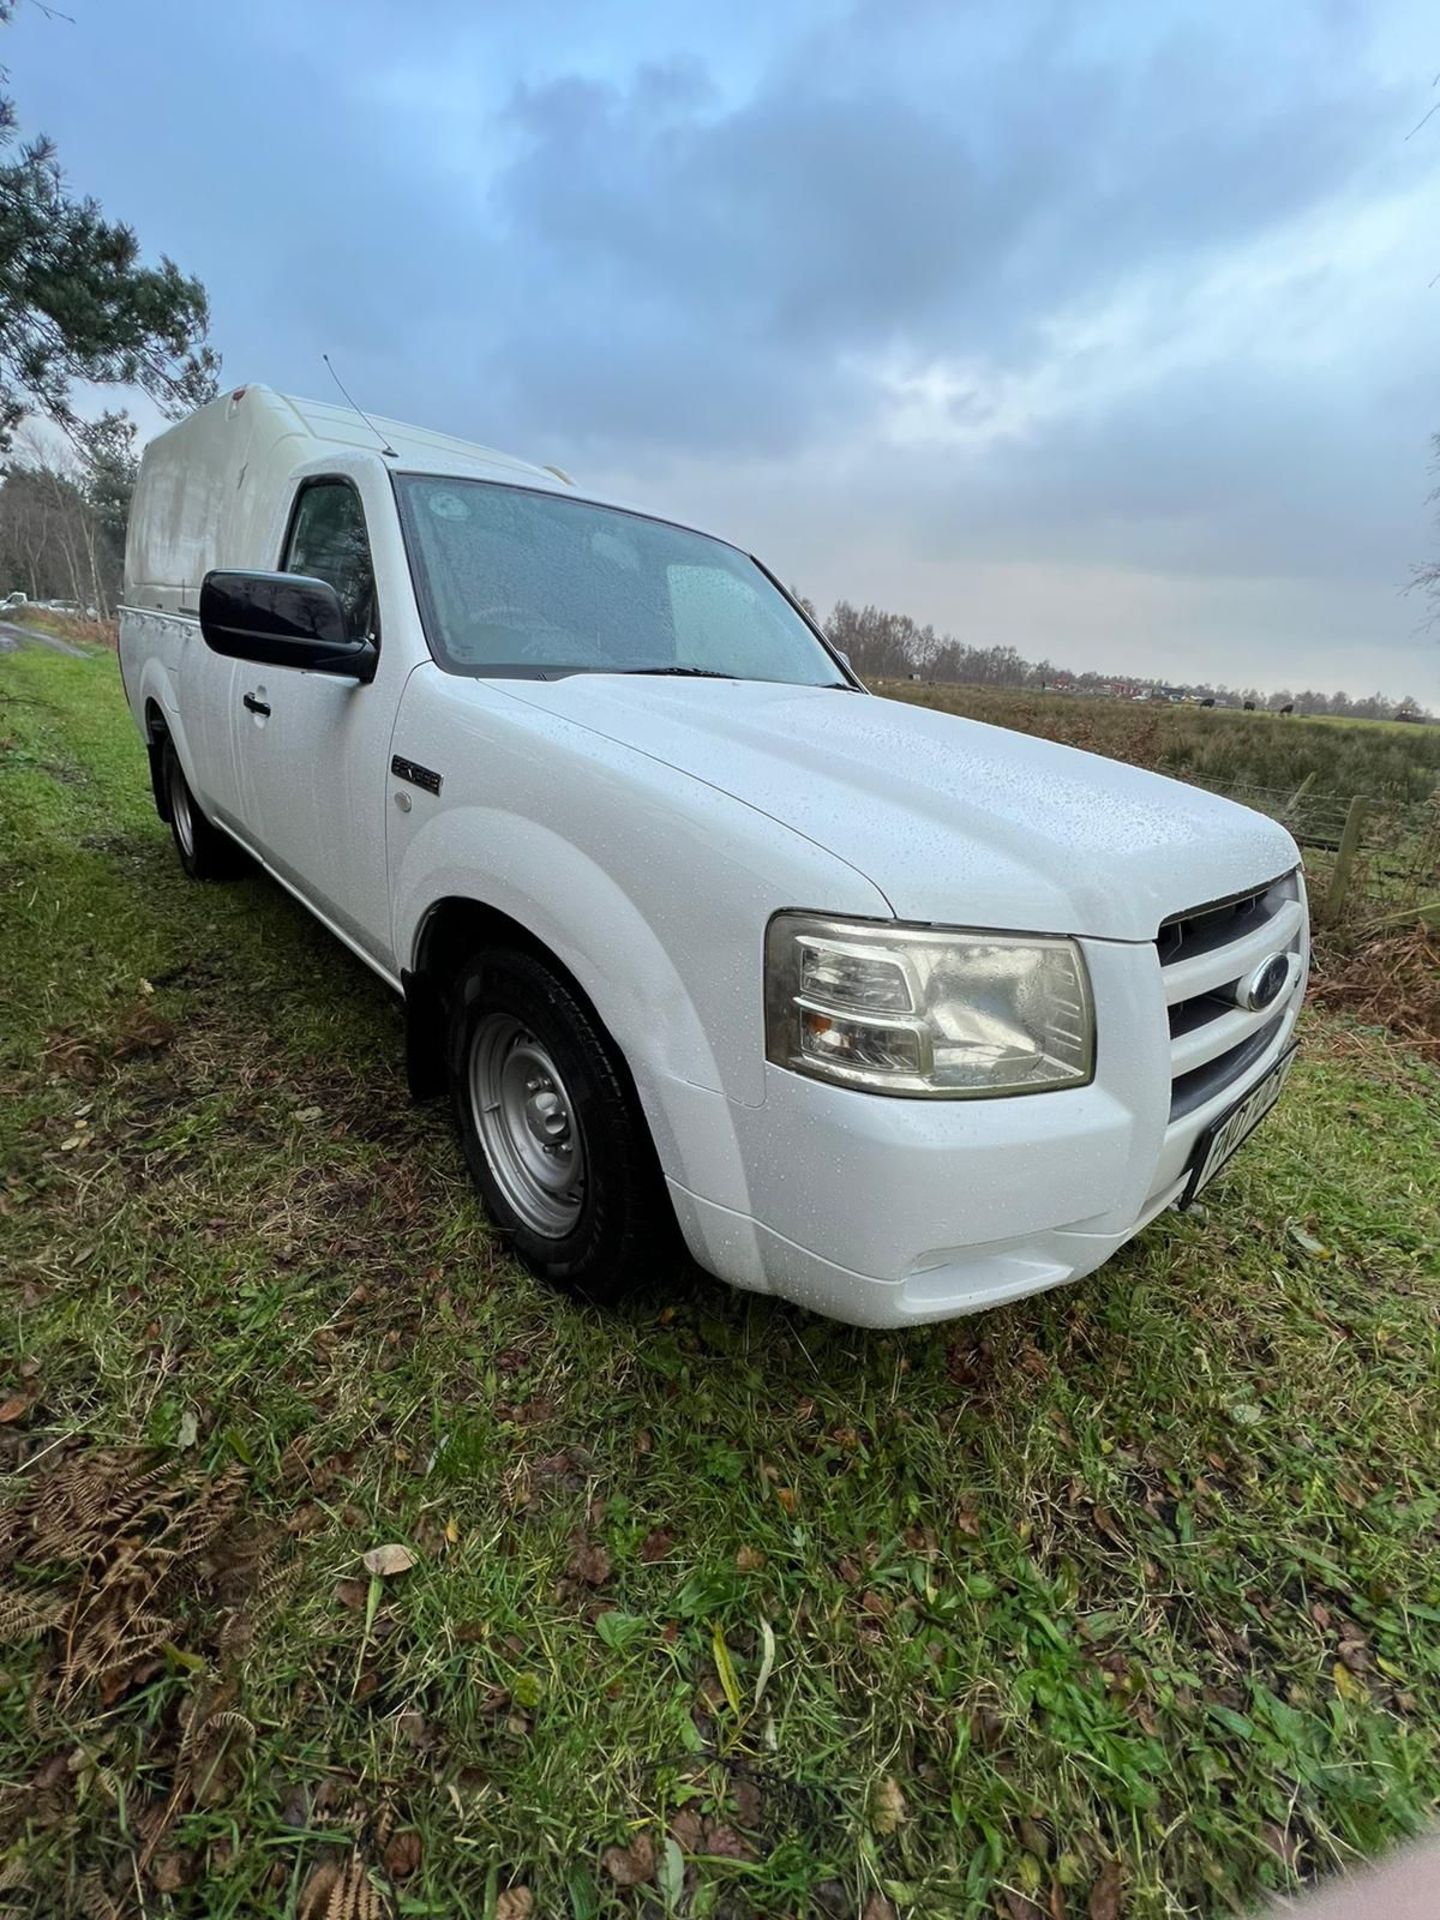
point(281, 620)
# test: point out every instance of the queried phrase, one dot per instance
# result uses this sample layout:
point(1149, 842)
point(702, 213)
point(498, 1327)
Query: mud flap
point(425, 1023)
point(155, 748)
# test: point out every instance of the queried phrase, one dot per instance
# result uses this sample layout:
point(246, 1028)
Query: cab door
point(204, 681)
point(313, 748)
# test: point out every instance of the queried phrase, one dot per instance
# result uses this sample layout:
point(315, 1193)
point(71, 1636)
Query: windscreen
point(512, 581)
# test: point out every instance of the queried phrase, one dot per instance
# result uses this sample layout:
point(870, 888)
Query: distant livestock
point(1289, 707)
point(1249, 706)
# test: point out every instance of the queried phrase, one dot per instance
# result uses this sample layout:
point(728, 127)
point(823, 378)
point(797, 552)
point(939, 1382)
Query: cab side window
point(328, 541)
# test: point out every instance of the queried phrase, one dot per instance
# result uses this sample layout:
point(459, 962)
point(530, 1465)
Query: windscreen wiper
point(709, 673)
point(687, 673)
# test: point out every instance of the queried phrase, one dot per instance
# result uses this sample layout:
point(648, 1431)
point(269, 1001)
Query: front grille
point(1205, 957)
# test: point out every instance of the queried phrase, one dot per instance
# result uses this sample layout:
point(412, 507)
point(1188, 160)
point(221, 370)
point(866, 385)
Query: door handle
point(252, 705)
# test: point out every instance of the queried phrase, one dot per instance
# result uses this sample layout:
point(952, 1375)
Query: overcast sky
point(1104, 330)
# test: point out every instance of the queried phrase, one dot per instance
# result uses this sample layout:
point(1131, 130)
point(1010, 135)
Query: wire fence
point(1367, 860)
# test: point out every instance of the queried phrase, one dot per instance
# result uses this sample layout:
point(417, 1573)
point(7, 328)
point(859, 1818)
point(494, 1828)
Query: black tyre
point(552, 1130)
point(205, 852)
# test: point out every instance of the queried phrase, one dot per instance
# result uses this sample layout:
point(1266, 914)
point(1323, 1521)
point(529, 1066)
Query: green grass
point(1143, 1572)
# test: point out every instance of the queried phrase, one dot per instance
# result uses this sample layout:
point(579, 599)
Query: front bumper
point(891, 1213)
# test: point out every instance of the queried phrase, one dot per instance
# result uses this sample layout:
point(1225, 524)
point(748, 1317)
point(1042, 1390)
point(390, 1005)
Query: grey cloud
point(733, 255)
point(673, 268)
point(1225, 468)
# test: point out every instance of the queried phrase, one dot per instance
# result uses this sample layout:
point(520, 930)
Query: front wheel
point(551, 1128)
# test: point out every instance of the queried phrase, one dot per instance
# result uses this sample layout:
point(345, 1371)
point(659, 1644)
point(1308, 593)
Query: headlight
point(910, 1010)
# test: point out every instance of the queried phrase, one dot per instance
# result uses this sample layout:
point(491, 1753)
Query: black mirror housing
point(281, 620)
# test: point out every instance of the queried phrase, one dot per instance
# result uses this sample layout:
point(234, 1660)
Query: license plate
point(1224, 1136)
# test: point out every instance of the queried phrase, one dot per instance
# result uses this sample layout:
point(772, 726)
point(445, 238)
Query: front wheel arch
point(452, 932)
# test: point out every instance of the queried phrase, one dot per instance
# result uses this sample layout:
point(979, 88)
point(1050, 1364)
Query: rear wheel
point(552, 1130)
point(205, 853)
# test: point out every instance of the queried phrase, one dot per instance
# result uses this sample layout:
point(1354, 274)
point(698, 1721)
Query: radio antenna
point(385, 446)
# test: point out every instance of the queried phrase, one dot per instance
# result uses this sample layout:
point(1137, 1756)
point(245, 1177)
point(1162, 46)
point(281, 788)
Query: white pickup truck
point(888, 1012)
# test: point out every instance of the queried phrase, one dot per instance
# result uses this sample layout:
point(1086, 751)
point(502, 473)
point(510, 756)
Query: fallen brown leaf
point(13, 1408)
point(879, 1907)
point(515, 1903)
point(1105, 1894)
point(749, 1559)
point(748, 1804)
point(656, 1545)
point(384, 1561)
point(630, 1866)
point(402, 1854)
point(171, 1871)
point(687, 1830)
point(723, 1843)
point(588, 1562)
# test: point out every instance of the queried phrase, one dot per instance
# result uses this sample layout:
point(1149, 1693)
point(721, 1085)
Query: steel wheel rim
point(180, 811)
point(525, 1117)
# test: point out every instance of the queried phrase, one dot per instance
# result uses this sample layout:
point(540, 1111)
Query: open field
point(1124, 1601)
point(1303, 772)
point(1387, 760)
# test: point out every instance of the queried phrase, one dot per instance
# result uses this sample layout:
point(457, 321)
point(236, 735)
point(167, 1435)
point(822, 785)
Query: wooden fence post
point(1345, 859)
point(1288, 811)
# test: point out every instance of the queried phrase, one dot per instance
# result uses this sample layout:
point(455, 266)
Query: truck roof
point(213, 491)
point(335, 423)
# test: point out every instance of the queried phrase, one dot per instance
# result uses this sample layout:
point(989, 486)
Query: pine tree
point(76, 302)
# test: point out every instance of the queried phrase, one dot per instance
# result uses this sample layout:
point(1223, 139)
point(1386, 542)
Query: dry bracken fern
point(86, 1500)
point(345, 1892)
point(140, 1534)
point(244, 1624)
point(113, 1641)
point(23, 1618)
point(93, 1900)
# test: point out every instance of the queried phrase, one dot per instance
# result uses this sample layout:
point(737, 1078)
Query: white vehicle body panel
point(645, 831)
point(958, 823)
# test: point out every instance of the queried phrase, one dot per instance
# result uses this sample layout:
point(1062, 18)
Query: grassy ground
point(1124, 1600)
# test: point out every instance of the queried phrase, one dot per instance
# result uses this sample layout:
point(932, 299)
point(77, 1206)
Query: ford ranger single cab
point(873, 1007)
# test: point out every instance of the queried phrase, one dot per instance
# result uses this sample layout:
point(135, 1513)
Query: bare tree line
point(892, 646)
point(63, 507)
